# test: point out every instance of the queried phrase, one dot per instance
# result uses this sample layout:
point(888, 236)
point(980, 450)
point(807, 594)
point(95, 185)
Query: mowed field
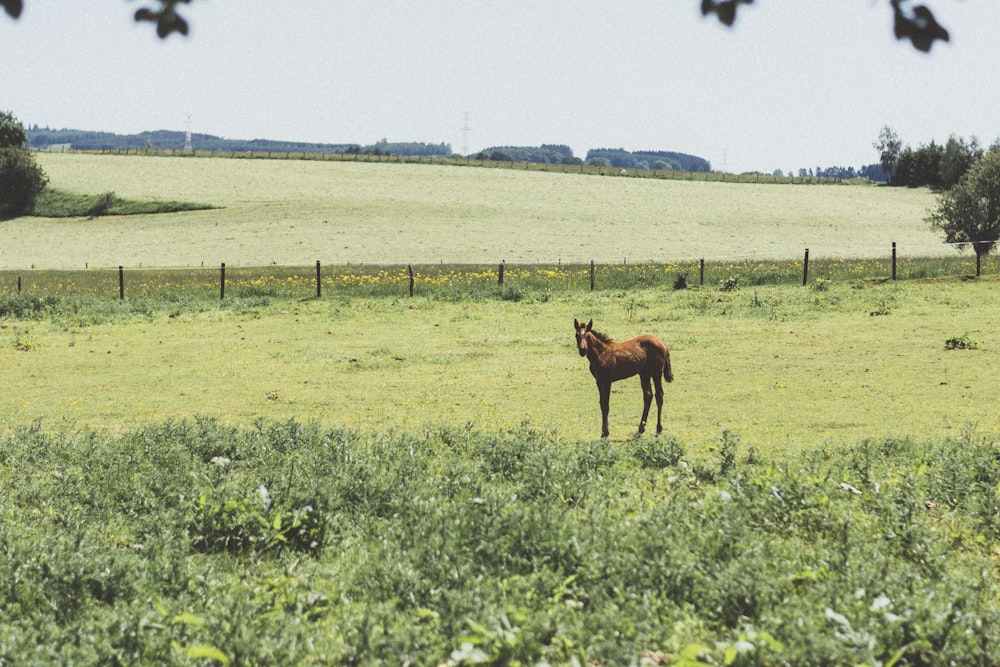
point(298, 212)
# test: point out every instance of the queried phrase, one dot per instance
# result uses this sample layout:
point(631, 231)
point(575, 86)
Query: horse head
point(581, 335)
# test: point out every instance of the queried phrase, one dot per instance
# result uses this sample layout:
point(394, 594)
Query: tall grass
point(295, 543)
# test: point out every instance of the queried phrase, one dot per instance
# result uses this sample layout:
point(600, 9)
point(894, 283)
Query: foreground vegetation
point(294, 543)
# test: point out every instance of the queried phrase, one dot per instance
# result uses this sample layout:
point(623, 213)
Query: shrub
point(963, 342)
point(661, 452)
point(729, 284)
point(102, 205)
point(253, 525)
point(21, 181)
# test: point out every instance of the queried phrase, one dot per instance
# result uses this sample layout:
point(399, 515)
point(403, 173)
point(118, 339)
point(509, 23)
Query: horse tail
point(668, 373)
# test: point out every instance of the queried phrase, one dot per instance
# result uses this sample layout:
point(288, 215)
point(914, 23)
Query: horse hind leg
point(647, 400)
point(659, 404)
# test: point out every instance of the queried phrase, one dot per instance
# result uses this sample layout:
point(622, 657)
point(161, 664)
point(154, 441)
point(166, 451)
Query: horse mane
point(602, 337)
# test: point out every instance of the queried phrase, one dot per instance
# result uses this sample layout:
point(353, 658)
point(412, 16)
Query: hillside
point(294, 211)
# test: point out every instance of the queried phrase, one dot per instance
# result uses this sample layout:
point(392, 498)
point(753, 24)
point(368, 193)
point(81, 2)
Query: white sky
point(795, 83)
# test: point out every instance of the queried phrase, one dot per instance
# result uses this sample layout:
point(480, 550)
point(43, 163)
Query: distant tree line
point(544, 154)
point(659, 160)
point(41, 138)
point(406, 148)
point(603, 157)
point(872, 172)
point(932, 165)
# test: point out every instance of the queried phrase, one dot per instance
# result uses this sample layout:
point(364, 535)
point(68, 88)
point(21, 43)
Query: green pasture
point(300, 211)
point(783, 366)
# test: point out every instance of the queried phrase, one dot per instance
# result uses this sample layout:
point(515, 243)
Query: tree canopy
point(969, 213)
point(932, 165)
point(915, 23)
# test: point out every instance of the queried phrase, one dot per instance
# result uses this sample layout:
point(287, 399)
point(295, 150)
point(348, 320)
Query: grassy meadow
point(785, 367)
point(370, 478)
point(297, 212)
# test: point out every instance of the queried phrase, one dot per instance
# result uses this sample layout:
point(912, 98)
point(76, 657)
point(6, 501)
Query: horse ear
point(590, 325)
point(576, 325)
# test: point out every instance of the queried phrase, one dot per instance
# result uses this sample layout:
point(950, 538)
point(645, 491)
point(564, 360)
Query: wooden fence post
point(500, 274)
point(222, 283)
point(121, 283)
point(701, 273)
point(409, 268)
point(805, 268)
point(319, 281)
point(893, 260)
point(19, 284)
point(591, 275)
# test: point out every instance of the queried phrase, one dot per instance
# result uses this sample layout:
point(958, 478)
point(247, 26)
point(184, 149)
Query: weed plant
point(295, 543)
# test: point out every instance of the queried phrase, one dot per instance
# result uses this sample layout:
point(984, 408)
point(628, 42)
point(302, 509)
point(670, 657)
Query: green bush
point(21, 181)
point(963, 342)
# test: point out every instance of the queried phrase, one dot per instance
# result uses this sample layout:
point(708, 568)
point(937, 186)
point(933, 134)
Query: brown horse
point(645, 356)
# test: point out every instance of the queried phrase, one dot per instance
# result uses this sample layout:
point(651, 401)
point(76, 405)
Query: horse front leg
point(647, 399)
point(604, 389)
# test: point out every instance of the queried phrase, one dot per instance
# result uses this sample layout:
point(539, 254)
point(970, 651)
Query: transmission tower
point(187, 136)
point(465, 135)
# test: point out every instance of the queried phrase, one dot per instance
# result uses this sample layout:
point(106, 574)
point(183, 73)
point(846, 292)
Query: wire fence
point(315, 280)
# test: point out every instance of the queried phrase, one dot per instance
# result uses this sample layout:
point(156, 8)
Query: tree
point(957, 158)
point(889, 148)
point(917, 24)
point(969, 213)
point(21, 179)
point(928, 166)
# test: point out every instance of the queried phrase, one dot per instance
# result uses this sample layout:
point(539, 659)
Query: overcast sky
point(793, 84)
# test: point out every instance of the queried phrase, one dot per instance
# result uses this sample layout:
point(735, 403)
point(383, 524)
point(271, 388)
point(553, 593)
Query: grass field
point(369, 478)
point(785, 367)
point(297, 212)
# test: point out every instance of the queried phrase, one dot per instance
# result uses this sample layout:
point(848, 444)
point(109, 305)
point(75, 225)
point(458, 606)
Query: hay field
point(297, 212)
